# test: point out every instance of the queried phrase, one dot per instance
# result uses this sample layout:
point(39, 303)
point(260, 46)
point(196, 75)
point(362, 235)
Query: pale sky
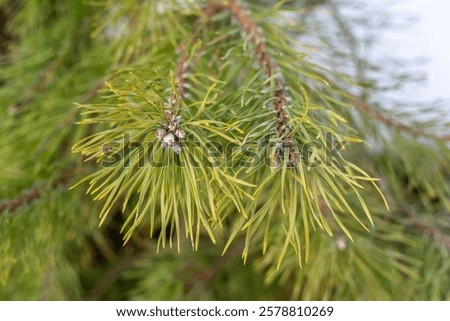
point(430, 38)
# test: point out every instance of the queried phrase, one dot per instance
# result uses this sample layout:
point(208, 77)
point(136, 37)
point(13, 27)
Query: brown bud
point(288, 142)
point(171, 126)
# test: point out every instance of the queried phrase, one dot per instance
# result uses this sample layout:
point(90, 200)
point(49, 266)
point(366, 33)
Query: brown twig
point(171, 133)
point(392, 123)
point(33, 193)
point(265, 61)
point(180, 80)
point(182, 67)
point(213, 8)
point(26, 197)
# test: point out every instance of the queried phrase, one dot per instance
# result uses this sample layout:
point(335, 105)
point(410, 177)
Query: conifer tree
point(212, 150)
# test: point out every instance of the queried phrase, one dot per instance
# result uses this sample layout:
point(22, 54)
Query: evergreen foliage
point(231, 150)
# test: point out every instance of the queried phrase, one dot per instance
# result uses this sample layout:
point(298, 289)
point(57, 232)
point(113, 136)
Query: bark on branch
point(265, 61)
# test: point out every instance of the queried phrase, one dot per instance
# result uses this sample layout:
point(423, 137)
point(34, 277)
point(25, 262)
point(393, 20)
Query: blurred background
point(396, 56)
point(421, 44)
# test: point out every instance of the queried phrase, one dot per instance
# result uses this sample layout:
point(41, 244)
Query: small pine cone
point(180, 133)
point(293, 160)
point(288, 142)
point(169, 139)
point(169, 114)
point(160, 133)
point(172, 126)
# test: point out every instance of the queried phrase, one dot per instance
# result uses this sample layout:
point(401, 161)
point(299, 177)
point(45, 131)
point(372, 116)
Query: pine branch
point(392, 123)
point(171, 133)
point(265, 61)
point(31, 194)
point(26, 197)
point(40, 83)
point(180, 77)
point(213, 8)
point(183, 63)
point(85, 99)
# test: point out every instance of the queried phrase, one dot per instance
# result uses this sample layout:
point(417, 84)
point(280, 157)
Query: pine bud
point(288, 142)
point(293, 162)
point(171, 126)
point(160, 133)
point(169, 139)
point(180, 133)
